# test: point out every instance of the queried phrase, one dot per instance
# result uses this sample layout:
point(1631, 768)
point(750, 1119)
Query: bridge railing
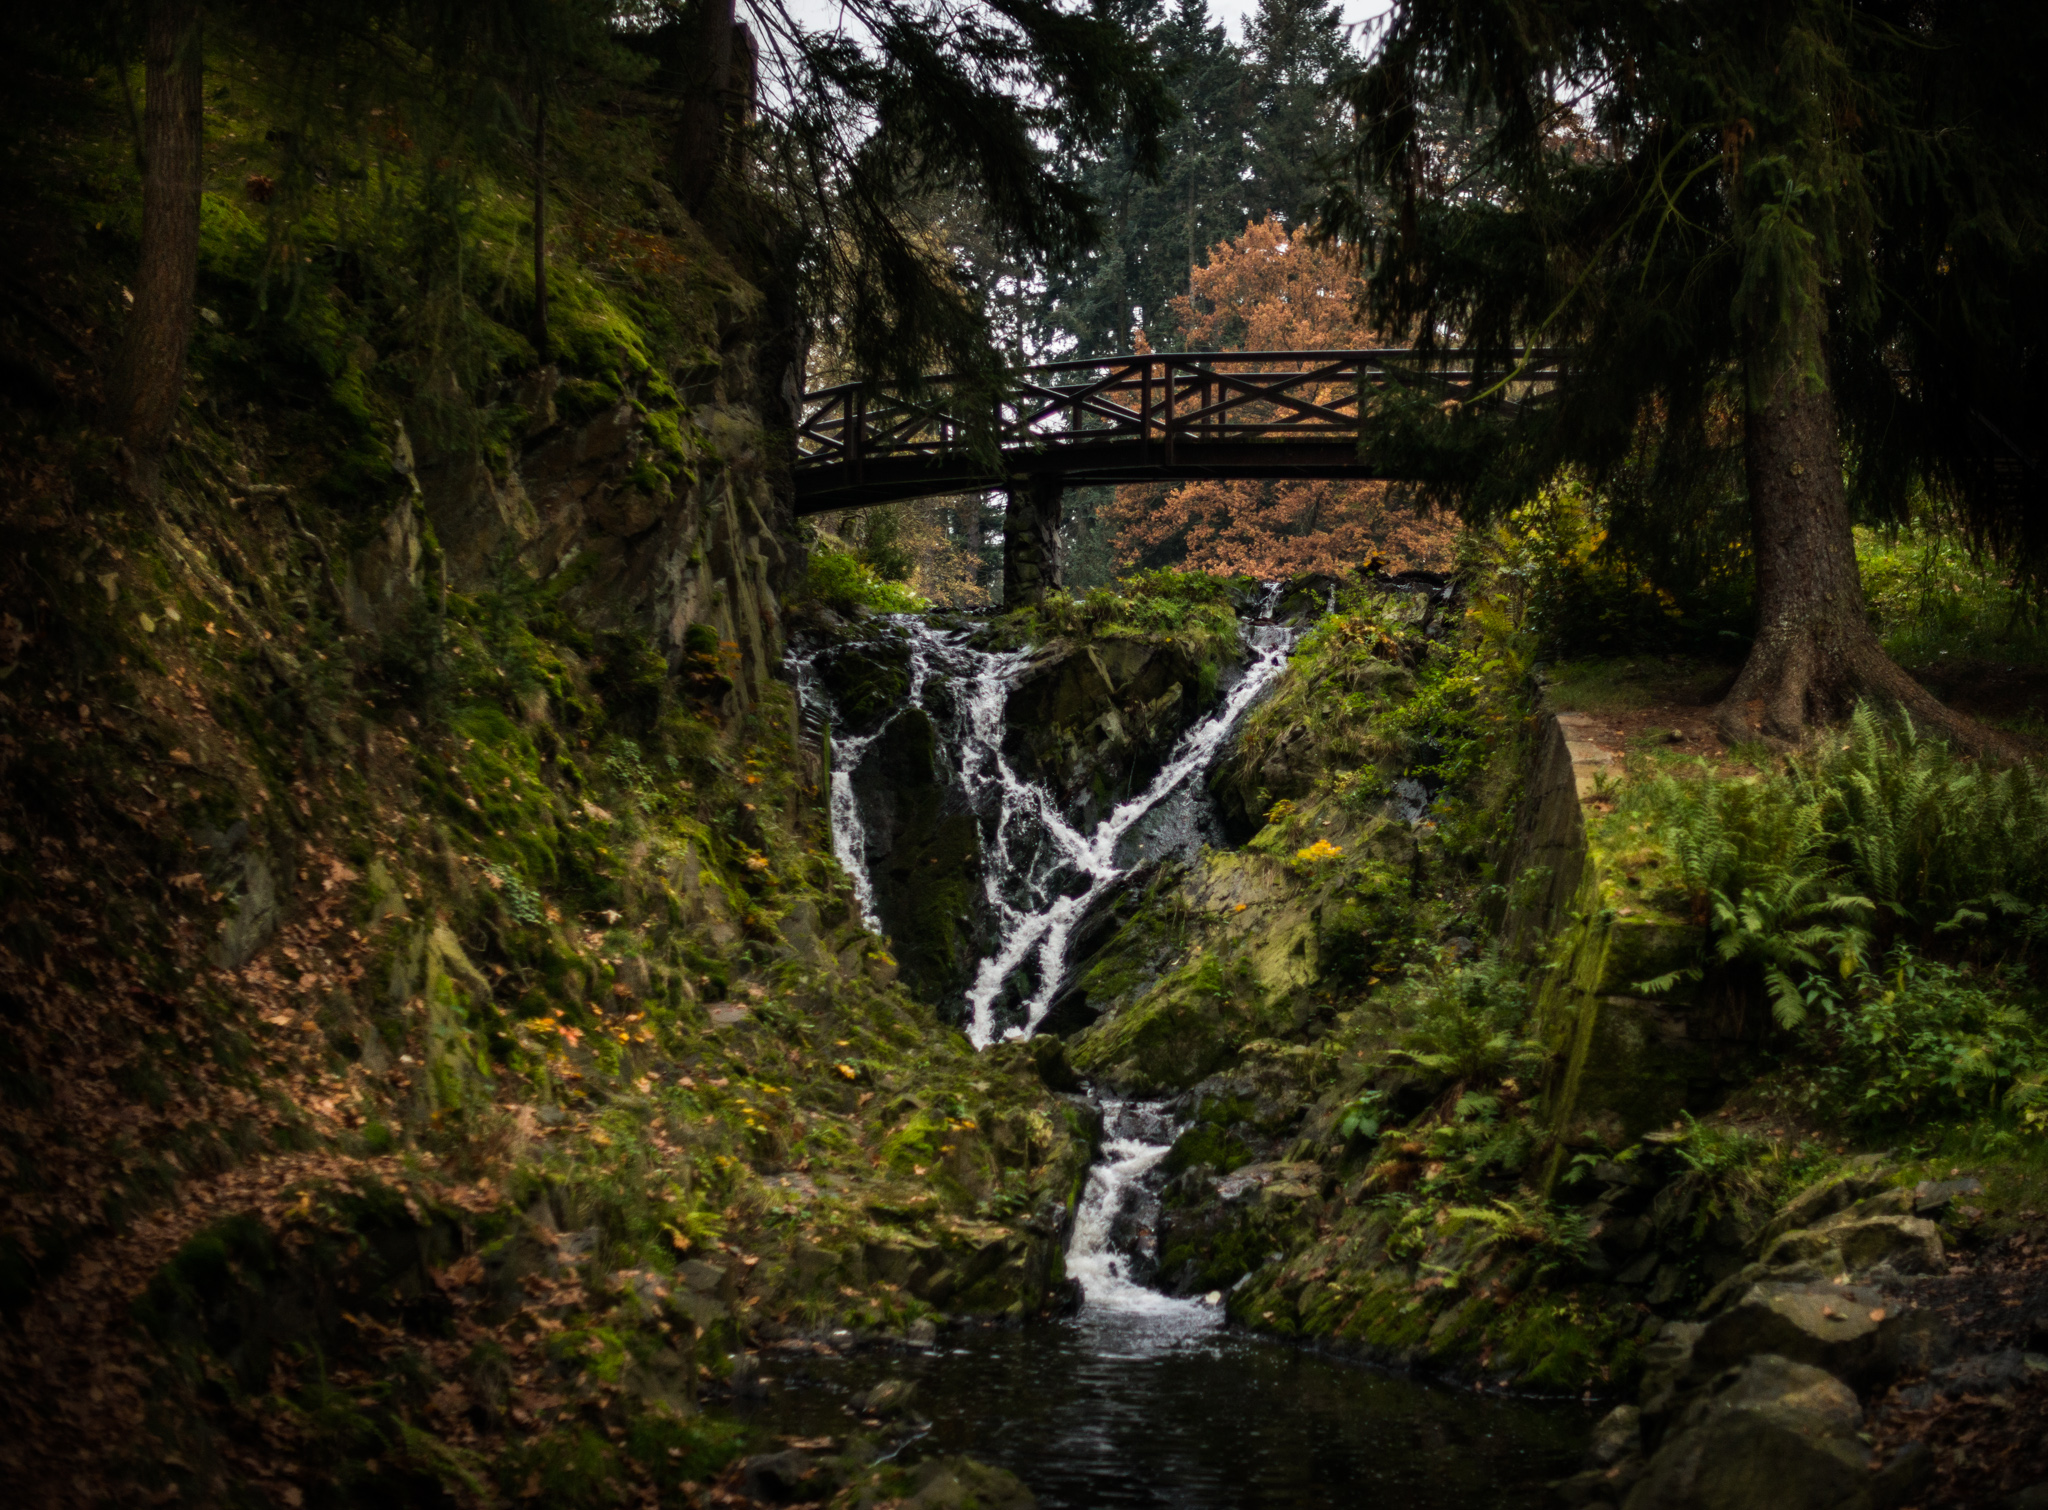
point(1164, 402)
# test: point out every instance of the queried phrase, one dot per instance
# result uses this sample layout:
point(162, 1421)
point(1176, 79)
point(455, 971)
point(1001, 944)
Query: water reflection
point(1146, 1400)
point(1165, 1408)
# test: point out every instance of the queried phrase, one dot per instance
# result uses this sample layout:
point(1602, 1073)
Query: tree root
point(1804, 680)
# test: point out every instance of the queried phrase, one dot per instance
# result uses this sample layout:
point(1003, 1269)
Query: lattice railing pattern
point(1166, 402)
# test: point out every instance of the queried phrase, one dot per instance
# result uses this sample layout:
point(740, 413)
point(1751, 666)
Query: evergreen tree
point(1777, 222)
point(869, 120)
point(1297, 50)
point(1158, 225)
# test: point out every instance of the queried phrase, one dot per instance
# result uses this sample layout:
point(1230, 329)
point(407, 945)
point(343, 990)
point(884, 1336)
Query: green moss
point(1207, 1145)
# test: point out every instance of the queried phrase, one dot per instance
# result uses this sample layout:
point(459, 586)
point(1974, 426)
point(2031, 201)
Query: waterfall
point(849, 834)
point(1115, 1231)
point(1040, 873)
point(1038, 933)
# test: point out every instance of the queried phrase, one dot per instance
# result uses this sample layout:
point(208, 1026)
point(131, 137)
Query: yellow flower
point(1318, 852)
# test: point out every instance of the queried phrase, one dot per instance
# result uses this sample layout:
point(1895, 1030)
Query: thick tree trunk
point(700, 132)
point(149, 375)
point(1814, 653)
point(540, 225)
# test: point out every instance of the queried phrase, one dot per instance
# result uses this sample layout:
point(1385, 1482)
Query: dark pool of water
point(1156, 1404)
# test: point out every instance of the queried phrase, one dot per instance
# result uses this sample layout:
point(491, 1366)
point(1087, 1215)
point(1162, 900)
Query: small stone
point(889, 1398)
point(1619, 1433)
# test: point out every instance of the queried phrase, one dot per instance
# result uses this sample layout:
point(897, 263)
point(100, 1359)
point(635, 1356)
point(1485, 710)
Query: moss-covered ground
point(1406, 1144)
point(436, 1035)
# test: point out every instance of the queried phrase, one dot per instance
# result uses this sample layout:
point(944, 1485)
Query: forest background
point(1204, 255)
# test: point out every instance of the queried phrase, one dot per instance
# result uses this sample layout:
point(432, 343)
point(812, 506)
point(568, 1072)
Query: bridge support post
point(1031, 540)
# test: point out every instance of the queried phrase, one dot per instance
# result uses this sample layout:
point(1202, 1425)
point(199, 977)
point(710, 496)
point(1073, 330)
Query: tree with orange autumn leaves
point(1268, 291)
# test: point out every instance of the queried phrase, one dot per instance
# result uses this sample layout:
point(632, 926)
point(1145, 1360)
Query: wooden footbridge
point(1148, 417)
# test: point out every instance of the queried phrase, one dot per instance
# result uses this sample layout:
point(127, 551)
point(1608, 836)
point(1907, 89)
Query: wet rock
point(782, 1478)
point(1279, 1181)
point(1049, 1058)
point(923, 1332)
point(1667, 1361)
point(1094, 722)
point(867, 680)
point(924, 850)
point(1614, 1461)
point(963, 1484)
point(1772, 1432)
point(1619, 1435)
point(891, 1397)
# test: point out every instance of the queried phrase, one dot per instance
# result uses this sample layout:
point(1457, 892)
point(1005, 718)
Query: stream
point(1140, 1398)
point(1144, 1400)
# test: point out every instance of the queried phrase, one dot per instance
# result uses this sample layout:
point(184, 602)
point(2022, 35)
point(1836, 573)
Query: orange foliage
point(1263, 291)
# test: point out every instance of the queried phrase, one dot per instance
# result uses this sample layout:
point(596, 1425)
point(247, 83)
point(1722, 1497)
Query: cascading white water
point(1037, 934)
point(1040, 873)
point(1040, 876)
point(1118, 1211)
point(849, 834)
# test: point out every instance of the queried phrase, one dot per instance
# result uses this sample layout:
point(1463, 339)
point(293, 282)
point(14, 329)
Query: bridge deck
point(1147, 417)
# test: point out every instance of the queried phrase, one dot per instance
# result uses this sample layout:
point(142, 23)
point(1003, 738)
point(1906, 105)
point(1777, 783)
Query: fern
point(1927, 835)
point(1723, 833)
point(1788, 926)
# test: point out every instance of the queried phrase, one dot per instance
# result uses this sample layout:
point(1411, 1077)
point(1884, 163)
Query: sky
point(1233, 12)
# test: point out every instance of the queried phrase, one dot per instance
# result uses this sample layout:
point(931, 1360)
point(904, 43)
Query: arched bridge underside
point(1155, 417)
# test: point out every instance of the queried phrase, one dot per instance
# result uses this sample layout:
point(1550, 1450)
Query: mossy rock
point(1179, 1034)
point(867, 681)
point(925, 854)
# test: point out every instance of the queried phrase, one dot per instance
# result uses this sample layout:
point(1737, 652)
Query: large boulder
point(1853, 1331)
point(1094, 721)
point(1853, 1242)
point(924, 855)
point(1773, 1432)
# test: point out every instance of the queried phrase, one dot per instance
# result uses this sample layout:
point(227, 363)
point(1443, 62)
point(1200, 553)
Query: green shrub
point(841, 580)
point(1191, 605)
point(1581, 589)
point(1464, 1021)
point(1920, 1039)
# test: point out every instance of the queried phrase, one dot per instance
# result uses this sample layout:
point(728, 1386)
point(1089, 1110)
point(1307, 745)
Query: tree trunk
point(1814, 653)
point(700, 131)
point(149, 375)
point(540, 225)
